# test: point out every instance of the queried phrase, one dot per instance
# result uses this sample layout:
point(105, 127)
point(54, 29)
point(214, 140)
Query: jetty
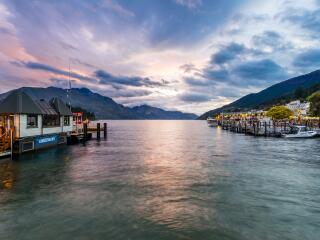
point(260, 125)
point(29, 125)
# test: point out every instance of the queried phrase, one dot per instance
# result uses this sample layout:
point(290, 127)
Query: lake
point(164, 180)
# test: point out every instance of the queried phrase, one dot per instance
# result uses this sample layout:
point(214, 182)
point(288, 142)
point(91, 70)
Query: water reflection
point(174, 169)
point(7, 174)
point(164, 180)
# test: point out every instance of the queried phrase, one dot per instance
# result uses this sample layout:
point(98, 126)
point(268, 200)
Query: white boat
point(212, 122)
point(300, 132)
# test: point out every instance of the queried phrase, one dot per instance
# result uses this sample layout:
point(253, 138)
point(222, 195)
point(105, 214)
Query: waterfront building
point(77, 122)
point(33, 124)
point(298, 107)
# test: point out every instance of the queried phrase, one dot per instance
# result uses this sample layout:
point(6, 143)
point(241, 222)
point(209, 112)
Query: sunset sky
point(189, 55)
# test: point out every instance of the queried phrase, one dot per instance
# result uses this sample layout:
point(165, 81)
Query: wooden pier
point(10, 146)
point(6, 141)
point(87, 131)
point(264, 128)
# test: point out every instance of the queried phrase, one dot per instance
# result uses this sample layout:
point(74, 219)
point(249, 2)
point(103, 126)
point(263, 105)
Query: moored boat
point(212, 122)
point(300, 132)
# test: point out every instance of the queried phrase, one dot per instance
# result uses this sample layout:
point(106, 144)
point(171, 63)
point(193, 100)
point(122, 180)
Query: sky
point(188, 55)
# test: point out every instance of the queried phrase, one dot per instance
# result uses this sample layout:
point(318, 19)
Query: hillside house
point(298, 107)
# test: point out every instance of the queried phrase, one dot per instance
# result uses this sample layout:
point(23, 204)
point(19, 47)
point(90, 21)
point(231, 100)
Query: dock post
point(245, 127)
point(285, 126)
point(85, 132)
point(98, 131)
point(105, 130)
point(11, 142)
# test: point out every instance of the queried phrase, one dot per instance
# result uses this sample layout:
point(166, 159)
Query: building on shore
point(249, 115)
point(30, 124)
point(299, 108)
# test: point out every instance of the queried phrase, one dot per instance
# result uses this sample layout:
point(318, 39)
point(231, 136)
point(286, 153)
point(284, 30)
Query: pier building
point(27, 124)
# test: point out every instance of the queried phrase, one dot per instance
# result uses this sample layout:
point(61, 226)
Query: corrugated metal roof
point(20, 103)
point(46, 108)
point(61, 107)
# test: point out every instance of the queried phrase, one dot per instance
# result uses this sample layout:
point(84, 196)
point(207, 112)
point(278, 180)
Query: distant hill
point(157, 113)
point(269, 95)
point(103, 107)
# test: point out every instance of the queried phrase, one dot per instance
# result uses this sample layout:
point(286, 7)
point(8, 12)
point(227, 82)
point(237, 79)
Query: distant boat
point(212, 122)
point(300, 132)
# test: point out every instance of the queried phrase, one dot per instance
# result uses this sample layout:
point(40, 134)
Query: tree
point(314, 100)
point(279, 112)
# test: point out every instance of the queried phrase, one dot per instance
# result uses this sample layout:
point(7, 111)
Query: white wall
point(21, 123)
point(67, 128)
point(31, 131)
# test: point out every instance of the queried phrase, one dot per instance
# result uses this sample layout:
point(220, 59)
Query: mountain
point(269, 95)
point(157, 113)
point(103, 107)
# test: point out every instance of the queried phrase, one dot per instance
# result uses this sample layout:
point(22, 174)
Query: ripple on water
point(164, 180)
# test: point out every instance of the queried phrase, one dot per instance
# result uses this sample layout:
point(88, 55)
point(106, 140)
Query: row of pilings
point(264, 128)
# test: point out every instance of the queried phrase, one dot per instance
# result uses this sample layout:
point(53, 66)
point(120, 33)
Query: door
point(6, 123)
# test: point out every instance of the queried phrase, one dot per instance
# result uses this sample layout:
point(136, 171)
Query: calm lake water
point(165, 180)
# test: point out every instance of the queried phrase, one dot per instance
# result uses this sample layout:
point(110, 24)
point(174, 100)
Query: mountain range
point(270, 95)
point(103, 107)
point(106, 108)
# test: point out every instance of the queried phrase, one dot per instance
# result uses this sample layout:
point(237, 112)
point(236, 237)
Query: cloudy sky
point(190, 55)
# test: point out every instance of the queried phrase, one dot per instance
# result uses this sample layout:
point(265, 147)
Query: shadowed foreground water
point(165, 180)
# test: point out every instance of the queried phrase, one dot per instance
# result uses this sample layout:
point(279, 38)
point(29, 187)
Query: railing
point(6, 140)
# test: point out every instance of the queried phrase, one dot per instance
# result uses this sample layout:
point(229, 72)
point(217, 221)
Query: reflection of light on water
point(170, 170)
point(164, 180)
point(7, 175)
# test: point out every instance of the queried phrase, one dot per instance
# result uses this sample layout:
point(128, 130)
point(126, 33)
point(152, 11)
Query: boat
point(300, 132)
point(212, 122)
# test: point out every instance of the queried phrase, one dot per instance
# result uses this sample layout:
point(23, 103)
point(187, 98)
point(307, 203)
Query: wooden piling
point(85, 132)
point(285, 126)
point(11, 141)
point(274, 127)
point(245, 127)
point(98, 131)
point(105, 130)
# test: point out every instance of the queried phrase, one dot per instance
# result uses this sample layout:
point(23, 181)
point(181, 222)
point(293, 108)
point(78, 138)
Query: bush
point(314, 100)
point(279, 112)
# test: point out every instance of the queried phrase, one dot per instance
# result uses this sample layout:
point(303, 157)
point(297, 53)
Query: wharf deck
point(5, 154)
point(260, 128)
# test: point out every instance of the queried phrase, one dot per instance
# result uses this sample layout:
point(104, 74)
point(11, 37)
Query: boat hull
point(309, 134)
point(212, 122)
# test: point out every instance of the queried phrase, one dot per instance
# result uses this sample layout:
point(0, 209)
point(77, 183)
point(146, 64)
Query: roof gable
point(46, 108)
point(19, 102)
point(61, 107)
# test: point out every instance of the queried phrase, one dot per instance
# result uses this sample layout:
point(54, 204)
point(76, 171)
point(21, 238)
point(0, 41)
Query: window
point(32, 121)
point(51, 121)
point(66, 121)
point(303, 129)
